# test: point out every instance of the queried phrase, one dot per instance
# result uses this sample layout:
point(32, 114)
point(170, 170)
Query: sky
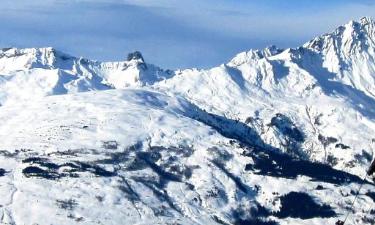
point(171, 33)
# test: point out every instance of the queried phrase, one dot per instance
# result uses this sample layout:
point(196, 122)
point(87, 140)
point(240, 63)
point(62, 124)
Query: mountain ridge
point(327, 45)
point(264, 78)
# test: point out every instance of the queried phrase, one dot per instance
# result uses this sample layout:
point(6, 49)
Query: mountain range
point(274, 136)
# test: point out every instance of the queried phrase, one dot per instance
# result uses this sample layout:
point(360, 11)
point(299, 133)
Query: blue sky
point(171, 33)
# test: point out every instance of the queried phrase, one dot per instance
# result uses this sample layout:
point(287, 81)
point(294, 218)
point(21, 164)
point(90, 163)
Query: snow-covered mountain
point(46, 71)
point(275, 136)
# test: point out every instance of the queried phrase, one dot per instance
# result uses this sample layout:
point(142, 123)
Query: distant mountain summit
point(135, 56)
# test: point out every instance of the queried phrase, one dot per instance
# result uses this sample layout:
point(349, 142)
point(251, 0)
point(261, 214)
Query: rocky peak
point(135, 56)
point(246, 57)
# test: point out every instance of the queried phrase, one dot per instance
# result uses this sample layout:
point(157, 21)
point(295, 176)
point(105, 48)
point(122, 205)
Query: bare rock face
point(135, 56)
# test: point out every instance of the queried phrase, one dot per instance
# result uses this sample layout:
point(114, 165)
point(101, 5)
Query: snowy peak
point(253, 55)
point(366, 20)
point(347, 54)
point(355, 36)
point(132, 72)
point(135, 59)
point(12, 59)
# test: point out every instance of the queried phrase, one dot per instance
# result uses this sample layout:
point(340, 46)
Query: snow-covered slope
point(307, 85)
point(246, 142)
point(144, 157)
